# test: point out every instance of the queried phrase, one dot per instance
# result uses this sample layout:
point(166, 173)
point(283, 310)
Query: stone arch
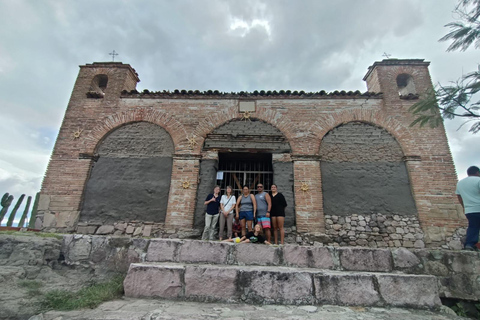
point(240, 135)
point(363, 172)
point(174, 128)
point(399, 131)
point(267, 115)
point(405, 84)
point(130, 179)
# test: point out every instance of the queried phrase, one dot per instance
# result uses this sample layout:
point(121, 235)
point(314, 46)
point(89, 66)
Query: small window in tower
point(405, 85)
point(98, 86)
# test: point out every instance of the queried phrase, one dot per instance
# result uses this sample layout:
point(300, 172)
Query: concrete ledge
point(359, 259)
point(346, 289)
point(409, 290)
point(205, 283)
point(203, 251)
point(163, 250)
point(254, 254)
point(308, 257)
point(280, 285)
point(148, 280)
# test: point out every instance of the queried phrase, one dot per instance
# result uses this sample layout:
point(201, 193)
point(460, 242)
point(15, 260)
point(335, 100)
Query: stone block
point(144, 280)
point(356, 259)
point(346, 289)
point(138, 231)
point(79, 249)
point(147, 231)
point(163, 250)
point(257, 254)
point(49, 220)
point(311, 257)
point(130, 230)
point(107, 229)
point(43, 202)
point(409, 290)
point(211, 283)
point(404, 259)
point(281, 286)
point(204, 251)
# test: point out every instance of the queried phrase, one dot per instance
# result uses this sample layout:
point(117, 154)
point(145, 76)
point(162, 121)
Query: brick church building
point(350, 167)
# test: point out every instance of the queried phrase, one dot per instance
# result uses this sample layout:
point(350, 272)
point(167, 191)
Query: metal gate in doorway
point(239, 169)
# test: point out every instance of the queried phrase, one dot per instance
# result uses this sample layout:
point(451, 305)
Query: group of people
point(267, 209)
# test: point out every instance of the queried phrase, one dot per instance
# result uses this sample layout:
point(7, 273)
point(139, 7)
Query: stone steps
point(262, 274)
point(279, 285)
point(328, 258)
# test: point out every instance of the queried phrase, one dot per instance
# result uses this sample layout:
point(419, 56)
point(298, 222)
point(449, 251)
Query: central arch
point(246, 152)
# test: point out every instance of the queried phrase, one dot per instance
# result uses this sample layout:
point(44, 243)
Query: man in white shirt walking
point(468, 193)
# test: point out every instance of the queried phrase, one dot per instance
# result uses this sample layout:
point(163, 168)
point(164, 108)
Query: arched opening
point(405, 84)
point(363, 172)
point(247, 154)
point(131, 178)
point(99, 83)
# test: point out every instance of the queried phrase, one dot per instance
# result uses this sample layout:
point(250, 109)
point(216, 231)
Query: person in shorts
point(245, 208)
point(264, 204)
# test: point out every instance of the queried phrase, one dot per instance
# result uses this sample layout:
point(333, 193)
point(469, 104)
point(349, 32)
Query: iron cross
point(113, 54)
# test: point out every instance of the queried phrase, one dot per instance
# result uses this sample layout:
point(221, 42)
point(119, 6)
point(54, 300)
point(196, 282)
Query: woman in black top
point(277, 213)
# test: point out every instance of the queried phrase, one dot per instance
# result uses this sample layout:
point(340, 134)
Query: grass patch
point(32, 286)
point(88, 297)
point(33, 234)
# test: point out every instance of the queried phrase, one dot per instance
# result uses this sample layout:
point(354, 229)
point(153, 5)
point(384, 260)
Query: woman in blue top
point(246, 208)
point(211, 217)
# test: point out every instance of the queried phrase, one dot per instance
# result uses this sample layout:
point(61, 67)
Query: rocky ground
point(136, 309)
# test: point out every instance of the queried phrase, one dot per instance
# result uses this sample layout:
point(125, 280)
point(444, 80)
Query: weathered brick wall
point(303, 119)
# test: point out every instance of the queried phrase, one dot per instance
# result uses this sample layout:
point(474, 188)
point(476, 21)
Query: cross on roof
point(386, 55)
point(113, 54)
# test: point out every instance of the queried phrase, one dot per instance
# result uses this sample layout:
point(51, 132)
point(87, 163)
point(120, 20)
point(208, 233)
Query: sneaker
point(470, 248)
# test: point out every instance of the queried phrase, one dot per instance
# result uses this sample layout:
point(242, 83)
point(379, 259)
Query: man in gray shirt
point(264, 204)
point(468, 193)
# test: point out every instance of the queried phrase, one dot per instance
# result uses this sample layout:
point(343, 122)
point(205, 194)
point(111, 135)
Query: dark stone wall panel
point(134, 189)
point(360, 142)
point(207, 180)
point(283, 178)
point(140, 140)
point(364, 188)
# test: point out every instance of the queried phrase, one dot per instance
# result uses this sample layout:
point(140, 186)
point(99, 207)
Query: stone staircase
point(261, 274)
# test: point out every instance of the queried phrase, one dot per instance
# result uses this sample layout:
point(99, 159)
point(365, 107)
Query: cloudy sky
point(205, 44)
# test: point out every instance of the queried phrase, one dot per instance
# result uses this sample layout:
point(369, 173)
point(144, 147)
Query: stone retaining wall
point(457, 272)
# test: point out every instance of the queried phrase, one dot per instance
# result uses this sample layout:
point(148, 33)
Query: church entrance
point(237, 169)
point(245, 152)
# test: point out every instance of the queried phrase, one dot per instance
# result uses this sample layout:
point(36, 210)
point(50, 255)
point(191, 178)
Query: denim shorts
point(247, 215)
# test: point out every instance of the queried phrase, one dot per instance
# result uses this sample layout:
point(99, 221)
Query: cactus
point(6, 202)
point(25, 212)
point(33, 216)
point(14, 211)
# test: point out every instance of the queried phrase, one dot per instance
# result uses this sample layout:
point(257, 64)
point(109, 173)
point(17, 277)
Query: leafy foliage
point(460, 98)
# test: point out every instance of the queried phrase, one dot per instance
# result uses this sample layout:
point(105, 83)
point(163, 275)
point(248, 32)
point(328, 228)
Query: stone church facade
point(352, 170)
